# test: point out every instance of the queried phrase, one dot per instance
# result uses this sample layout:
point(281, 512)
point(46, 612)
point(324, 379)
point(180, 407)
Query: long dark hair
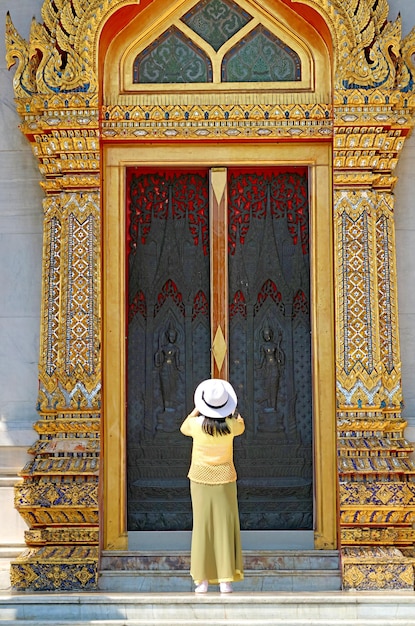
point(216, 426)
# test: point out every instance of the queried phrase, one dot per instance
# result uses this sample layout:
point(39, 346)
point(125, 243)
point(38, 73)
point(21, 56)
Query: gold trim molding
point(78, 120)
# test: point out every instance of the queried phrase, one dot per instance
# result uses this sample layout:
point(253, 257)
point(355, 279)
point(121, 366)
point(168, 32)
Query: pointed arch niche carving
point(344, 114)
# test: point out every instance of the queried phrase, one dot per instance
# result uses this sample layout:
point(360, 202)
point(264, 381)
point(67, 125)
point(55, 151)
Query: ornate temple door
point(218, 285)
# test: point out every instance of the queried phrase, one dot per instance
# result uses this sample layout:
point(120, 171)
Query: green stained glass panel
point(261, 57)
point(216, 21)
point(172, 58)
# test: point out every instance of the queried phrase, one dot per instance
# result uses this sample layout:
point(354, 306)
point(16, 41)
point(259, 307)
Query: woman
point(216, 555)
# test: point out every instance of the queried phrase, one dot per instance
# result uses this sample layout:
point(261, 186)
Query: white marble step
point(237, 609)
point(265, 571)
point(255, 581)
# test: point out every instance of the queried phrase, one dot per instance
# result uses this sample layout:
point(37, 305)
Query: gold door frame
point(318, 158)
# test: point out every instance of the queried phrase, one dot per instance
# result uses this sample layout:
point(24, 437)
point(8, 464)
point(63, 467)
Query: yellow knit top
point(212, 456)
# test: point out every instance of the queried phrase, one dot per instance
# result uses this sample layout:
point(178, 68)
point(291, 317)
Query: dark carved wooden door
point(169, 340)
point(270, 347)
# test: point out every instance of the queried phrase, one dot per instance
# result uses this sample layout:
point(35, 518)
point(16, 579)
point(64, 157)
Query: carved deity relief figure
point(167, 361)
point(272, 361)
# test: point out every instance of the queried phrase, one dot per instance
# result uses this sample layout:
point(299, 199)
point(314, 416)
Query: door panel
point(169, 337)
point(270, 349)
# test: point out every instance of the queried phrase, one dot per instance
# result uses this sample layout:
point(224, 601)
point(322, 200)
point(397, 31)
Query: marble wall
point(20, 275)
point(20, 280)
point(405, 244)
point(405, 251)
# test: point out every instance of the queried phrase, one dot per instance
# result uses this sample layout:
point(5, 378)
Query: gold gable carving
point(368, 50)
point(65, 115)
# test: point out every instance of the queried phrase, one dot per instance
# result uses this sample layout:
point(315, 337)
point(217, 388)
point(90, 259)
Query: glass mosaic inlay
point(172, 58)
point(216, 21)
point(261, 57)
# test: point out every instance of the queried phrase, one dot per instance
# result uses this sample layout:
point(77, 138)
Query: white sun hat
point(215, 398)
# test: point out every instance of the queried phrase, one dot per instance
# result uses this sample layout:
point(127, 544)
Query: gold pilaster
point(375, 472)
point(59, 496)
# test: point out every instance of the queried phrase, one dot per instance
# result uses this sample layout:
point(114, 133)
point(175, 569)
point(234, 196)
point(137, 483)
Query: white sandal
point(225, 587)
point(202, 587)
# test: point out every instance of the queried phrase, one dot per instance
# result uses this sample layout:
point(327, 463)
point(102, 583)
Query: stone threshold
point(395, 608)
point(265, 571)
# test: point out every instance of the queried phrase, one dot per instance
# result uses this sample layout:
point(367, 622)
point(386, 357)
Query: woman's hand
point(194, 413)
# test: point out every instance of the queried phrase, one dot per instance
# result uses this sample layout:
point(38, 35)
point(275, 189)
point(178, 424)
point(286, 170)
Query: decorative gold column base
point(376, 495)
point(377, 568)
point(56, 568)
point(58, 499)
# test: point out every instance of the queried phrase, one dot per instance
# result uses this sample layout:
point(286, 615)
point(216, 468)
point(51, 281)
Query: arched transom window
point(217, 34)
point(220, 45)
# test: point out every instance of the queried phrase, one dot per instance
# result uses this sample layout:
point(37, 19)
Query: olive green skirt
point(216, 553)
